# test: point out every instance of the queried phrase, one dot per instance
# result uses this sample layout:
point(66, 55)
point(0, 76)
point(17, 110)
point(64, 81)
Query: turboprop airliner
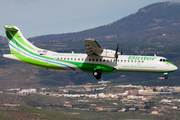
point(96, 60)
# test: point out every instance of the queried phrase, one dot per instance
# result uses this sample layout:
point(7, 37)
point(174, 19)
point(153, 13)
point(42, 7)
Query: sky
point(42, 17)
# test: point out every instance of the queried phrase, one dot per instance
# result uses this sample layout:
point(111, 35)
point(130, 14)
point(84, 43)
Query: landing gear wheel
point(97, 74)
point(166, 77)
point(98, 77)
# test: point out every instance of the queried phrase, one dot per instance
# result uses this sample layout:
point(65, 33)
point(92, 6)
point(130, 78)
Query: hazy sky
point(41, 17)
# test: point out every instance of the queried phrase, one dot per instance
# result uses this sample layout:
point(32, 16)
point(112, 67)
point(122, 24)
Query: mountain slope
point(155, 19)
point(154, 29)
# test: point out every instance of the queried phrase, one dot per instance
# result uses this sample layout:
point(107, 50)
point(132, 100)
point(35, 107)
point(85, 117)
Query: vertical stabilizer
point(17, 41)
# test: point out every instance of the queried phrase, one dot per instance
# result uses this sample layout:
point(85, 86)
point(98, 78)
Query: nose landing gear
point(166, 75)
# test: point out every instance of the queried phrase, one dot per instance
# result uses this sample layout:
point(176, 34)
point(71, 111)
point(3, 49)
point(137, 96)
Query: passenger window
point(75, 59)
point(124, 60)
point(67, 58)
point(89, 59)
point(160, 60)
point(96, 59)
point(107, 60)
point(92, 59)
point(121, 60)
point(82, 59)
point(100, 60)
point(104, 60)
point(128, 61)
point(78, 59)
point(71, 58)
point(131, 60)
point(64, 58)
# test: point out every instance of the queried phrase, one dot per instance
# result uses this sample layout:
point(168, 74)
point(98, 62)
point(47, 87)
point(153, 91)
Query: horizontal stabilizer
point(10, 56)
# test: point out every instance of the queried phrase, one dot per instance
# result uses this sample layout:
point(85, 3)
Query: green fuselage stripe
point(36, 62)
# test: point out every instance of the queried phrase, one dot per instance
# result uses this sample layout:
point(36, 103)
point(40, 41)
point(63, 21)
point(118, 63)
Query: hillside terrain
point(24, 112)
point(152, 20)
point(111, 102)
point(154, 29)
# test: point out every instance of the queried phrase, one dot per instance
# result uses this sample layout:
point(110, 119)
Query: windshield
point(163, 60)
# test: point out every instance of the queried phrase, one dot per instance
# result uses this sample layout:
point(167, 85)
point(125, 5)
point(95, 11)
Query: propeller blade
point(121, 51)
point(116, 54)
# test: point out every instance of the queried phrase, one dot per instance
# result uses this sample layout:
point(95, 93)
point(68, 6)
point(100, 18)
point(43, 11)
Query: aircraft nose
point(174, 67)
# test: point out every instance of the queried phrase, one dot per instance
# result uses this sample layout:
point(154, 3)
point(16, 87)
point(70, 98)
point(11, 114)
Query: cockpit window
point(163, 60)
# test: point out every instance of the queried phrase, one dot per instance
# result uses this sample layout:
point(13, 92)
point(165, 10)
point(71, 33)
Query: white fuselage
point(126, 63)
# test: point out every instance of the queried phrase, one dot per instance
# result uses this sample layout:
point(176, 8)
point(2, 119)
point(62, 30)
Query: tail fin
point(17, 41)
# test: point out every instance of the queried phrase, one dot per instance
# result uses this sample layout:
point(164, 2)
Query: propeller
point(116, 54)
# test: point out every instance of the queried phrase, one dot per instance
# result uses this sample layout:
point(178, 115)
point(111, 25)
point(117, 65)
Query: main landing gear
point(97, 74)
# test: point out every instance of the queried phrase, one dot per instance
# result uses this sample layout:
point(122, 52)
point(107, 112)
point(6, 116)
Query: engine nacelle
point(109, 53)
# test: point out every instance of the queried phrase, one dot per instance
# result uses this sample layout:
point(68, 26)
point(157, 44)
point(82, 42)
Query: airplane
point(97, 61)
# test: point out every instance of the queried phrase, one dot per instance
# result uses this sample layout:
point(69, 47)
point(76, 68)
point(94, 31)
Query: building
point(165, 101)
point(154, 112)
point(123, 110)
point(132, 109)
point(27, 91)
point(99, 108)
